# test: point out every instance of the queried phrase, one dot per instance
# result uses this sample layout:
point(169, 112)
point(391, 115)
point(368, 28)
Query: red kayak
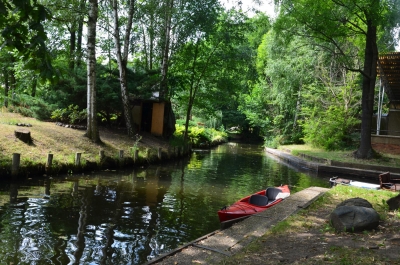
point(255, 203)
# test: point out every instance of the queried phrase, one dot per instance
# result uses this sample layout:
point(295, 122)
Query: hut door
point(147, 112)
point(157, 124)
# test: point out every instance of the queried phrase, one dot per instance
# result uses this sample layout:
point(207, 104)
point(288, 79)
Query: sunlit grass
point(341, 156)
point(62, 142)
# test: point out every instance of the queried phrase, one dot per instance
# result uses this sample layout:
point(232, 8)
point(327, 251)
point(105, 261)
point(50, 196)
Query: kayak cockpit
point(271, 195)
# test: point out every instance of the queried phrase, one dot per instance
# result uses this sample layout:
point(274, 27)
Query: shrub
point(331, 130)
point(71, 115)
point(29, 106)
point(199, 136)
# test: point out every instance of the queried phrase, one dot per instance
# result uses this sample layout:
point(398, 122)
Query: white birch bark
point(122, 59)
point(92, 131)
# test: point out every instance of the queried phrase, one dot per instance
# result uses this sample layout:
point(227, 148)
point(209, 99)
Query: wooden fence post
point(135, 155)
point(148, 153)
point(49, 161)
point(159, 153)
point(102, 155)
point(15, 164)
point(78, 159)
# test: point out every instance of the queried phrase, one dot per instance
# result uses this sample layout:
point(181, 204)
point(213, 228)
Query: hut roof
point(389, 72)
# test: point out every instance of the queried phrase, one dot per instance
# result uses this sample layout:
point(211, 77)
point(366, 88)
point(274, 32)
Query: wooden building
point(388, 125)
point(153, 116)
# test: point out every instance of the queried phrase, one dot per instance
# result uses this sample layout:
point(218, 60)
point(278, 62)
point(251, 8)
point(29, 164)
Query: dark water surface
point(131, 217)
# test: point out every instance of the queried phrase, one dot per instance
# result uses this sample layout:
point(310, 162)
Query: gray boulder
point(394, 203)
point(354, 218)
point(356, 202)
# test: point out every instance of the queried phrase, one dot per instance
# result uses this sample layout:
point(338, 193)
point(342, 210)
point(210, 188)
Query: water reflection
point(131, 217)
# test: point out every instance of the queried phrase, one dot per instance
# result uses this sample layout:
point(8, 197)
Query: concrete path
point(215, 246)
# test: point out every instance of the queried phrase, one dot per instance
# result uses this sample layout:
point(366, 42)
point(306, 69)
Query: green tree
point(203, 68)
point(331, 106)
point(350, 30)
point(274, 102)
point(22, 28)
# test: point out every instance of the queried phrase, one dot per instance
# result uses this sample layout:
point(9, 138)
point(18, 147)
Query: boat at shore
point(348, 182)
point(254, 203)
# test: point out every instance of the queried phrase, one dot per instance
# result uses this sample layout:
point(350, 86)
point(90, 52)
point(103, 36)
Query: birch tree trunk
point(92, 131)
point(122, 59)
point(165, 59)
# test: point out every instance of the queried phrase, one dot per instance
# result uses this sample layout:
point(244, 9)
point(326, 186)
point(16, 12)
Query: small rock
point(394, 203)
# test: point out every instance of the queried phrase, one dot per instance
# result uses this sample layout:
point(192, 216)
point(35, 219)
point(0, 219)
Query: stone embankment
point(333, 167)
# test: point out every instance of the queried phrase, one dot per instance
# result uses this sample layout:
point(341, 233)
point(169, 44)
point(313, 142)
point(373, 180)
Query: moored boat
point(348, 182)
point(255, 203)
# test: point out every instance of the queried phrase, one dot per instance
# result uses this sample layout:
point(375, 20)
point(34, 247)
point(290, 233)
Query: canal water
point(133, 216)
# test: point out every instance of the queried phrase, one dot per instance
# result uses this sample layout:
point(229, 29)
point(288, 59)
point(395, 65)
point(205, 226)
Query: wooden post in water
point(49, 161)
point(159, 153)
point(136, 155)
point(15, 164)
point(78, 159)
point(148, 153)
point(102, 155)
point(121, 154)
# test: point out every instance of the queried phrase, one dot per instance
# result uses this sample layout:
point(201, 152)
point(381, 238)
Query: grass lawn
point(64, 143)
point(384, 159)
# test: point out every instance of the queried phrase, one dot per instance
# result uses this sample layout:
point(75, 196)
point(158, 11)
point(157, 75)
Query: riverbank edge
point(7, 169)
point(315, 164)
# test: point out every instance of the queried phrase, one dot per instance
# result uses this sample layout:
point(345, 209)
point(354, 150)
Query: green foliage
point(199, 136)
point(330, 129)
point(273, 142)
point(70, 115)
point(182, 122)
point(23, 32)
point(31, 107)
point(138, 137)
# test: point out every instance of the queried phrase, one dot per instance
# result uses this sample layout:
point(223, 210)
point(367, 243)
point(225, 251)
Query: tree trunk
point(165, 59)
point(79, 38)
point(151, 42)
point(365, 150)
point(72, 42)
point(6, 88)
point(92, 131)
point(34, 87)
point(122, 59)
point(13, 83)
point(192, 92)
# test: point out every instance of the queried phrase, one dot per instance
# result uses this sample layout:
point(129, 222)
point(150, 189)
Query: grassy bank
point(308, 238)
point(64, 143)
point(390, 158)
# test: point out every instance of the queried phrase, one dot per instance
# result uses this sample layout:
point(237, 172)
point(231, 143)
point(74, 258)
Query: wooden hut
point(153, 116)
